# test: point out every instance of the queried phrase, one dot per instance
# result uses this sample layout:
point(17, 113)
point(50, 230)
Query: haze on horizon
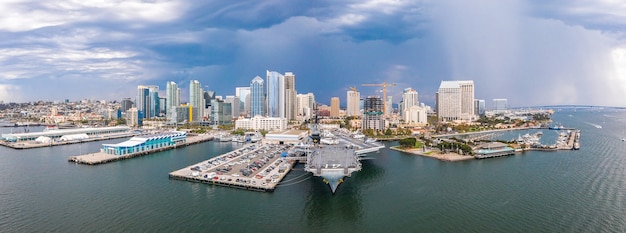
point(531, 52)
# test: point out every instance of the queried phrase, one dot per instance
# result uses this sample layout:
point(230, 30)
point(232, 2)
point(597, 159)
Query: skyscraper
point(467, 100)
point(140, 100)
point(275, 94)
point(305, 105)
point(290, 96)
point(243, 93)
point(353, 103)
point(126, 104)
point(334, 107)
point(172, 95)
point(196, 99)
point(147, 101)
point(373, 113)
point(455, 100)
point(389, 105)
point(479, 107)
point(257, 97)
point(409, 99)
point(154, 102)
point(234, 103)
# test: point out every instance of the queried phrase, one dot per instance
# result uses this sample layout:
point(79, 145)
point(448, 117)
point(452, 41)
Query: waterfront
point(561, 191)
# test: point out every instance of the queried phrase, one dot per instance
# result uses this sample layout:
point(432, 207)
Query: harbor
point(262, 166)
point(107, 154)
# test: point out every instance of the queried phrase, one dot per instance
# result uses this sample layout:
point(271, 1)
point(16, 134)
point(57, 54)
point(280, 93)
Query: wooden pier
point(101, 158)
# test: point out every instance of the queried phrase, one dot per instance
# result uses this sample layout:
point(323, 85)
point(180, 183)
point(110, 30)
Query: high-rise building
point(479, 107)
point(196, 99)
point(305, 105)
point(455, 101)
point(415, 115)
point(389, 106)
point(132, 117)
point(147, 101)
point(373, 113)
point(353, 103)
point(500, 105)
point(221, 112)
point(409, 99)
point(243, 93)
point(140, 100)
point(126, 104)
point(334, 107)
point(234, 103)
point(154, 101)
point(290, 96)
point(257, 97)
point(275, 94)
point(172, 99)
point(467, 100)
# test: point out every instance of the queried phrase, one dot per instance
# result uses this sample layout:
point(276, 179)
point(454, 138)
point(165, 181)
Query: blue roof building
point(145, 143)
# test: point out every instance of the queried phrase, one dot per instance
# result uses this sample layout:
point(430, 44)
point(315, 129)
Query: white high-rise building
point(415, 115)
point(409, 99)
point(455, 100)
point(389, 105)
point(290, 96)
point(467, 100)
point(353, 103)
point(196, 99)
point(305, 105)
point(172, 99)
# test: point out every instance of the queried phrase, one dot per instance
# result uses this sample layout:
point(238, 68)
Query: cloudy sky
point(532, 52)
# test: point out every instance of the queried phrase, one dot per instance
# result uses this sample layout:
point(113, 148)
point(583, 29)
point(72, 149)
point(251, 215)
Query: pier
point(64, 136)
point(102, 157)
point(255, 167)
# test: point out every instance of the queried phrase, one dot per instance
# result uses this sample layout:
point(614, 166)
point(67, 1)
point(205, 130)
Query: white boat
point(223, 137)
point(239, 139)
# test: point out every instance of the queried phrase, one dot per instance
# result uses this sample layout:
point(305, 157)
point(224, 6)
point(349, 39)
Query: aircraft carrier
point(335, 156)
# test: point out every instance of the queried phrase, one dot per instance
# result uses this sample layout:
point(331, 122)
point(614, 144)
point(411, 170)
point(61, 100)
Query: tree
point(388, 132)
point(408, 142)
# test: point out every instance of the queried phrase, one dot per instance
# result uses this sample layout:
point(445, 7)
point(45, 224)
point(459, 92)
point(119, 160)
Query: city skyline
point(530, 52)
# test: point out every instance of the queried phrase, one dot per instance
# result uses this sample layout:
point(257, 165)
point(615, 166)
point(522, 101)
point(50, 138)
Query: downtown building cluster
point(268, 103)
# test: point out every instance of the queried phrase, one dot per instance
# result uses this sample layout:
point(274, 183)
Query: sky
point(531, 52)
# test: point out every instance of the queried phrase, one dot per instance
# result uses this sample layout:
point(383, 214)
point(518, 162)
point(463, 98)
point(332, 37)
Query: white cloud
point(28, 15)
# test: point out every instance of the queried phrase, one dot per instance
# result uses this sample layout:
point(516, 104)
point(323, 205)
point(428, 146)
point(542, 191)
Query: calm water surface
point(565, 191)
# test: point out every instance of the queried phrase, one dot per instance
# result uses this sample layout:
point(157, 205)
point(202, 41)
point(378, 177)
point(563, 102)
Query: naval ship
point(335, 157)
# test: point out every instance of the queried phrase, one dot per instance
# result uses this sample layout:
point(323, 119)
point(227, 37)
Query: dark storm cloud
point(507, 47)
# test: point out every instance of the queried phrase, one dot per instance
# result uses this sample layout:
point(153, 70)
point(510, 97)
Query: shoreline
point(448, 157)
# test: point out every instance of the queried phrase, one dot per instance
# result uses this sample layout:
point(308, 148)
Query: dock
point(33, 144)
point(102, 158)
point(255, 167)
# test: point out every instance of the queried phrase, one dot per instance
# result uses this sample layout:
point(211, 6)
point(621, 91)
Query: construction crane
point(384, 85)
point(355, 102)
